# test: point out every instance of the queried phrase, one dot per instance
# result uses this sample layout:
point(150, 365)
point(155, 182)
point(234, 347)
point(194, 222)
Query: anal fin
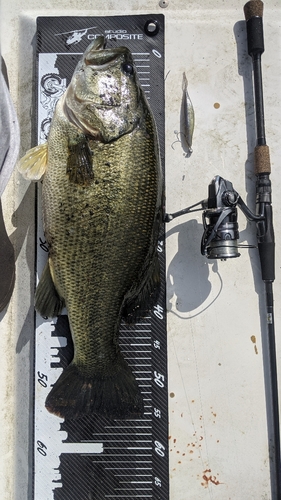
point(142, 300)
point(47, 300)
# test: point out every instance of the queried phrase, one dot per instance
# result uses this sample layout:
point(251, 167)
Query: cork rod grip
point(254, 8)
point(262, 160)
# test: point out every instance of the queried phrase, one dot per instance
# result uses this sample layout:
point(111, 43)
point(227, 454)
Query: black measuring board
point(96, 458)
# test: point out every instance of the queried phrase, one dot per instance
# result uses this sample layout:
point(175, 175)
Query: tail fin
point(112, 394)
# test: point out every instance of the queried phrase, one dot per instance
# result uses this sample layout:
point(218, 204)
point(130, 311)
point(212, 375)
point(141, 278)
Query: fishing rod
point(253, 11)
point(221, 234)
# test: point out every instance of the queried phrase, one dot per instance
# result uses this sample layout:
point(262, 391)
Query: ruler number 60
point(159, 449)
point(41, 448)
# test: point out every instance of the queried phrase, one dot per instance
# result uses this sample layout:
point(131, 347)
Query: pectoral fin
point(80, 162)
point(33, 164)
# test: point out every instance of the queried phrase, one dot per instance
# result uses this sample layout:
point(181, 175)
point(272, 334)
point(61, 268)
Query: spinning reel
point(220, 220)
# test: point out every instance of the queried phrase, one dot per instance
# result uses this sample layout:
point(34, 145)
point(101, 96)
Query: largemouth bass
point(102, 196)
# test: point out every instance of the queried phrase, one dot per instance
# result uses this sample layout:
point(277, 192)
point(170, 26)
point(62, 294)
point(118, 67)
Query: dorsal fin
point(33, 164)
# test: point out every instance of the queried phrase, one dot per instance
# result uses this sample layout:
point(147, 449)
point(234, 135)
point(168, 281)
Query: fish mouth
point(100, 58)
point(102, 61)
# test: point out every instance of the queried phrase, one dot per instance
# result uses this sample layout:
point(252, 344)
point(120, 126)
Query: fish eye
point(127, 69)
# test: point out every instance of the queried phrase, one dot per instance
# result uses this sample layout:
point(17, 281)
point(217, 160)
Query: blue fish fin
point(33, 164)
point(47, 300)
point(111, 393)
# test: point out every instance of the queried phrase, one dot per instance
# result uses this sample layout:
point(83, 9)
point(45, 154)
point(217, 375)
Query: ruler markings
point(135, 345)
point(137, 338)
point(139, 345)
point(143, 364)
point(129, 427)
point(129, 468)
point(141, 352)
point(122, 455)
point(128, 496)
point(128, 461)
point(142, 371)
point(108, 448)
point(135, 488)
point(127, 433)
point(144, 330)
point(138, 358)
point(139, 448)
point(134, 475)
point(140, 438)
point(124, 442)
point(138, 420)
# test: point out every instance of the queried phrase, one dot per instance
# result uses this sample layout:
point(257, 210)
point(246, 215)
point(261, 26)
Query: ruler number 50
point(159, 379)
point(42, 379)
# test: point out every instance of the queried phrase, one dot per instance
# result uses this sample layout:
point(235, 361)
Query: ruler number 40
point(158, 311)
